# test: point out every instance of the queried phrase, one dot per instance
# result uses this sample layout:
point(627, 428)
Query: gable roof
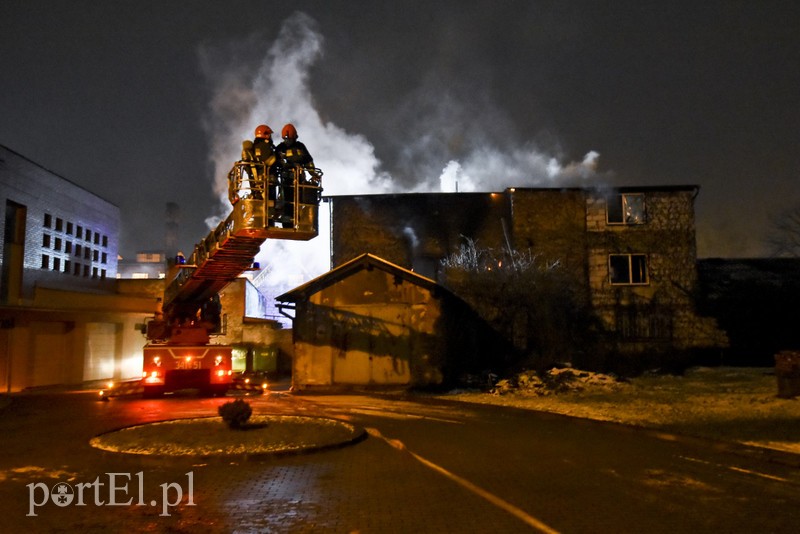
point(364, 262)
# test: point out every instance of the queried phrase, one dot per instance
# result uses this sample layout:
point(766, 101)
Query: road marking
point(739, 469)
point(477, 490)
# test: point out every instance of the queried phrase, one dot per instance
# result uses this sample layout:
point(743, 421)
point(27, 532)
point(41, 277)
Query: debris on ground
point(555, 381)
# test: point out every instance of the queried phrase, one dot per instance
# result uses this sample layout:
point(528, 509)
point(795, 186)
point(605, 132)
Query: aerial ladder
point(268, 203)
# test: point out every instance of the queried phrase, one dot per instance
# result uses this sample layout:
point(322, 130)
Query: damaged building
point(370, 322)
point(629, 254)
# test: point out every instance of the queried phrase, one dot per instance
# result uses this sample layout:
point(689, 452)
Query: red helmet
point(289, 131)
point(263, 131)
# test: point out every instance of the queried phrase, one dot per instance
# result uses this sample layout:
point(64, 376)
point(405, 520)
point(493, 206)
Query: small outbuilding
point(370, 322)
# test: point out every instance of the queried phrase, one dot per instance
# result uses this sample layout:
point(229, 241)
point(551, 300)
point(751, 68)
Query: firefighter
point(293, 153)
point(296, 161)
point(264, 153)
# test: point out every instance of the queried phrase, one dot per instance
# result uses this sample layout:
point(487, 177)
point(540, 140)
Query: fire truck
point(268, 203)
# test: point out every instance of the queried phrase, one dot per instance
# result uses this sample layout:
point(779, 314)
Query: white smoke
point(276, 90)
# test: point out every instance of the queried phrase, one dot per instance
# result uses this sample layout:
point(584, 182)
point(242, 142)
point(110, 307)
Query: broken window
point(628, 269)
point(626, 208)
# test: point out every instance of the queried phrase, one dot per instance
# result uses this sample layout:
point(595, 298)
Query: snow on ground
point(725, 403)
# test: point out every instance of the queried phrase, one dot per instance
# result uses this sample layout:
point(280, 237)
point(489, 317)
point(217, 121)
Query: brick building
point(630, 252)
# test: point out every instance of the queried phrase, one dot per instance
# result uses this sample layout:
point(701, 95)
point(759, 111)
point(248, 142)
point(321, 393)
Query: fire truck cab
point(267, 204)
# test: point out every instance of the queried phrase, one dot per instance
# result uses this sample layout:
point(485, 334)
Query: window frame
point(644, 261)
point(619, 200)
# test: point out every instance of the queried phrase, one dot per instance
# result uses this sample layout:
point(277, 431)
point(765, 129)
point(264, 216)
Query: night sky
point(147, 102)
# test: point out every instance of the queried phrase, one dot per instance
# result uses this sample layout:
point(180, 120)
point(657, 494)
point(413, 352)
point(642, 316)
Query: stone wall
point(569, 227)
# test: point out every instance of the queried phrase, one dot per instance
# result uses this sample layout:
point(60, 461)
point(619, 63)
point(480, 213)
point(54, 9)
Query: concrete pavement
point(428, 466)
point(367, 487)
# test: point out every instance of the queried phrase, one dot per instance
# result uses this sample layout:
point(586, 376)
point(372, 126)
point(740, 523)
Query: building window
point(68, 247)
point(79, 232)
point(86, 271)
point(48, 220)
point(105, 241)
point(78, 249)
point(46, 240)
point(67, 266)
point(104, 258)
point(96, 238)
point(59, 224)
point(95, 255)
point(57, 264)
point(628, 269)
point(69, 228)
point(45, 261)
point(57, 245)
point(76, 269)
point(88, 236)
point(626, 208)
point(87, 253)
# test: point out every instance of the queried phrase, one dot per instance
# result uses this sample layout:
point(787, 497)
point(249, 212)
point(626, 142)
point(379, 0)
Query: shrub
point(235, 413)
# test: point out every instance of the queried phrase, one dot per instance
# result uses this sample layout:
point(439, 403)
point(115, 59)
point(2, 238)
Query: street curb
point(358, 434)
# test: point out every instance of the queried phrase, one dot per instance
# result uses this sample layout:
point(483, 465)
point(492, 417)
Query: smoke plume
point(248, 90)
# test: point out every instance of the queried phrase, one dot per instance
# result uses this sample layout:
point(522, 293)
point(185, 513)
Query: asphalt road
point(428, 465)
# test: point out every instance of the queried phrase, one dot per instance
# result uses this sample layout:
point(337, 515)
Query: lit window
point(139, 276)
point(628, 269)
point(626, 209)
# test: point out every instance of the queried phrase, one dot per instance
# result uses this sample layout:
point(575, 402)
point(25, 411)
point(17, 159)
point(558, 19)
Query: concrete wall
point(53, 253)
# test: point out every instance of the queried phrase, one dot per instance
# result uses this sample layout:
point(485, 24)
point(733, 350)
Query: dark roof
point(360, 263)
point(621, 188)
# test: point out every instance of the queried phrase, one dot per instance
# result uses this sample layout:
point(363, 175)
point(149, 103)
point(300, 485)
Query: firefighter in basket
point(297, 168)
